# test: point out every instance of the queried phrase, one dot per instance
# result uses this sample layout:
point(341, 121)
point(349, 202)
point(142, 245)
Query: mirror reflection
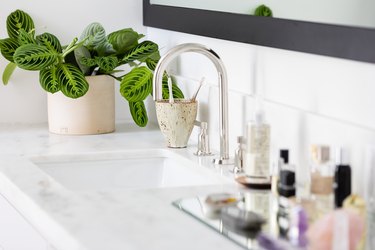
point(263, 220)
point(357, 13)
point(263, 204)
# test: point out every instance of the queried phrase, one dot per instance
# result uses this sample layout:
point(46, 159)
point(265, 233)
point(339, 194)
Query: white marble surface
point(106, 219)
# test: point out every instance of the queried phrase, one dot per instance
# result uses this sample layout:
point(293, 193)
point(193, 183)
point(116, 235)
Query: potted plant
point(67, 69)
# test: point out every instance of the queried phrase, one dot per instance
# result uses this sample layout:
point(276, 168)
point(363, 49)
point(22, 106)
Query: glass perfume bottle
point(322, 176)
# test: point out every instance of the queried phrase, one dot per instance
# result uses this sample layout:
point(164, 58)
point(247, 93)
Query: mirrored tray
point(260, 202)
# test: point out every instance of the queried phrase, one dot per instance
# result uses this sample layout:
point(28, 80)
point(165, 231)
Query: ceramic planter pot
point(94, 113)
point(176, 120)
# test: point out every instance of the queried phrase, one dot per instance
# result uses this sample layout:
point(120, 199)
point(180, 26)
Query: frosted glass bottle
point(321, 185)
point(257, 158)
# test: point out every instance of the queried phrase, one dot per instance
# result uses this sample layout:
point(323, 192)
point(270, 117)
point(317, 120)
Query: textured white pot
point(176, 121)
point(94, 113)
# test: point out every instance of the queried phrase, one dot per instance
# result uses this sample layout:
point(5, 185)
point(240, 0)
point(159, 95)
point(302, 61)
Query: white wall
point(308, 98)
point(23, 100)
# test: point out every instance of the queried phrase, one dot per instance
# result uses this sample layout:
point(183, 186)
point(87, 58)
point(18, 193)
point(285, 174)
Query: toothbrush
point(171, 100)
point(201, 83)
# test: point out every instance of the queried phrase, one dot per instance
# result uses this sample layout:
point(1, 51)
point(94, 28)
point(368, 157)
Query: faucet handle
point(203, 140)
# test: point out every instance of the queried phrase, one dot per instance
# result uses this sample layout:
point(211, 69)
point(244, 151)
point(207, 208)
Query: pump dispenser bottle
point(256, 160)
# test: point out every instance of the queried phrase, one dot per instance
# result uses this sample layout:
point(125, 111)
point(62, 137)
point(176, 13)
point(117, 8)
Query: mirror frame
point(354, 43)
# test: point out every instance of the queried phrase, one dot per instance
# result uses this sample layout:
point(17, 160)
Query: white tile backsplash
point(307, 98)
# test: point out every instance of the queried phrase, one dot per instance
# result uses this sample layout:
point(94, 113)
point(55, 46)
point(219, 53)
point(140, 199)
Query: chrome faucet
point(223, 89)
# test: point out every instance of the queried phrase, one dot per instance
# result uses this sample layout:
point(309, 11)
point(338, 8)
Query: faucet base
point(223, 161)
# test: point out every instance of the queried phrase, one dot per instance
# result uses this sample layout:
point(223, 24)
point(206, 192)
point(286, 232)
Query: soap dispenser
point(257, 159)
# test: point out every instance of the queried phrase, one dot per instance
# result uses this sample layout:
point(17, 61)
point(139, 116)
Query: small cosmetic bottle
point(343, 178)
point(322, 173)
point(239, 155)
point(286, 189)
point(281, 162)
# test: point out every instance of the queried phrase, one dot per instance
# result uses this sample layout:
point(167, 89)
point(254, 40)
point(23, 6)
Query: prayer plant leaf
point(8, 71)
point(107, 63)
point(123, 40)
point(50, 41)
point(141, 51)
point(139, 113)
point(72, 82)
point(263, 10)
point(25, 37)
point(8, 46)
point(48, 80)
point(151, 64)
point(18, 20)
point(82, 55)
point(34, 57)
point(137, 84)
point(177, 93)
point(97, 39)
point(89, 62)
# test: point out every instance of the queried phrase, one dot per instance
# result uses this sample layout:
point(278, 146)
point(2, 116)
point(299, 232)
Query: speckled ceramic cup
point(176, 120)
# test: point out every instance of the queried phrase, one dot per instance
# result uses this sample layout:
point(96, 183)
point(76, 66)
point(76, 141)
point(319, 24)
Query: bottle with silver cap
point(203, 141)
point(238, 155)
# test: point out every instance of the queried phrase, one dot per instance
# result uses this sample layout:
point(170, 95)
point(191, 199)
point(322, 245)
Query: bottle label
point(321, 184)
point(258, 152)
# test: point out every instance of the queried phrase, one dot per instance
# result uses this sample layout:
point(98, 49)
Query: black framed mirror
point(354, 43)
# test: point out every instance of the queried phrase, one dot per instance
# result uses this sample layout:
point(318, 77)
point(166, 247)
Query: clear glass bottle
point(257, 159)
point(321, 179)
point(238, 155)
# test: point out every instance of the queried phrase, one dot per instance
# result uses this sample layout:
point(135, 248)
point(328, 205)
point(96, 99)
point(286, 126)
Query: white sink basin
point(125, 170)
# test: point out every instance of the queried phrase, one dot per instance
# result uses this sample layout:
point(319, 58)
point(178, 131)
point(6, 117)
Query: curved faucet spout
point(223, 88)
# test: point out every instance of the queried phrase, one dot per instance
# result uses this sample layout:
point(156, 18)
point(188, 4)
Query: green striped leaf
point(50, 41)
point(151, 64)
point(107, 63)
point(83, 54)
point(142, 50)
point(137, 84)
point(8, 46)
point(97, 39)
point(8, 71)
point(48, 79)
point(89, 62)
point(139, 113)
point(177, 93)
point(72, 81)
point(18, 20)
point(34, 57)
point(25, 37)
point(123, 40)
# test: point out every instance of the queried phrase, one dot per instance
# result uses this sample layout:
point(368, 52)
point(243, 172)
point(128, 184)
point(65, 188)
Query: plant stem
point(73, 45)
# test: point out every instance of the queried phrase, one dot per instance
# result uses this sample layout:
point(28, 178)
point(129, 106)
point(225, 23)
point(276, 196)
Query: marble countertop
point(106, 219)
